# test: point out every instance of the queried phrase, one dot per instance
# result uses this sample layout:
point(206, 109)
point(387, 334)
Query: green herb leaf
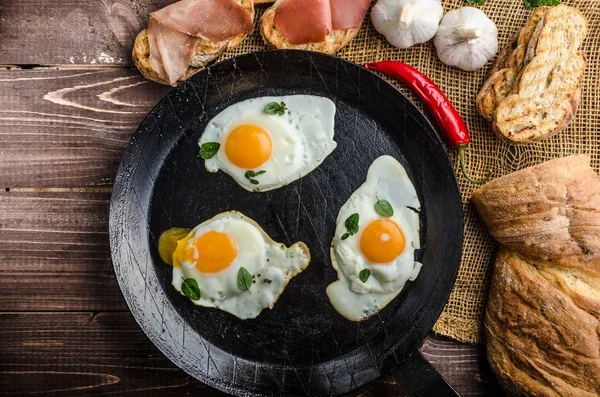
point(251, 174)
point(384, 208)
point(538, 3)
point(190, 289)
point(244, 279)
point(345, 236)
point(352, 224)
point(478, 2)
point(275, 108)
point(208, 150)
point(364, 275)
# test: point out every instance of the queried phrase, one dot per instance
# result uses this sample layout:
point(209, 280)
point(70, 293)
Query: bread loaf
point(542, 319)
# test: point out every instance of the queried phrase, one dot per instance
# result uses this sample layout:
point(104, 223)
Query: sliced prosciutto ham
point(346, 14)
point(304, 21)
point(174, 32)
point(310, 21)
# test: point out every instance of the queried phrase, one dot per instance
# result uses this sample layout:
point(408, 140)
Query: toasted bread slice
point(332, 44)
point(206, 50)
point(546, 104)
point(547, 94)
point(504, 74)
point(518, 58)
point(495, 90)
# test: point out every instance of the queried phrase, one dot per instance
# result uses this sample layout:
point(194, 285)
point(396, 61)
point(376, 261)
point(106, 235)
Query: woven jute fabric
point(462, 318)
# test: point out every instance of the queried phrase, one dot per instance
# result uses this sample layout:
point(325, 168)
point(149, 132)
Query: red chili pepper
point(447, 118)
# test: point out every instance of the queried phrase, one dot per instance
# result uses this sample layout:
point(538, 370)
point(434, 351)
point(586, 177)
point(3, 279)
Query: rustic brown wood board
point(64, 327)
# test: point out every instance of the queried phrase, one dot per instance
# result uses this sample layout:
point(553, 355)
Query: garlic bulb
point(405, 23)
point(467, 38)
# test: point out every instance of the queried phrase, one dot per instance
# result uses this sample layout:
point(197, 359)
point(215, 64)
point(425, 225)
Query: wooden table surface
point(69, 102)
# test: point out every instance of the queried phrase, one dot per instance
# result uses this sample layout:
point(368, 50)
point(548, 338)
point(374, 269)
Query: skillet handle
point(419, 379)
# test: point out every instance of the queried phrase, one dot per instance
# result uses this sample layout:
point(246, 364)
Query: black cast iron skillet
point(302, 346)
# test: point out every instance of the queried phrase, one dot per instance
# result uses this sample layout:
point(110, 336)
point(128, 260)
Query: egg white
point(272, 265)
point(353, 299)
point(301, 138)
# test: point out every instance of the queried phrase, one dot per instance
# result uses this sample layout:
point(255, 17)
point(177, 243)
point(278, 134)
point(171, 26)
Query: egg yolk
point(211, 252)
point(382, 241)
point(248, 146)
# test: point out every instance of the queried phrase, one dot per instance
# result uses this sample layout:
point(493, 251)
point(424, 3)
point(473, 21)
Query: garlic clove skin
point(405, 23)
point(466, 38)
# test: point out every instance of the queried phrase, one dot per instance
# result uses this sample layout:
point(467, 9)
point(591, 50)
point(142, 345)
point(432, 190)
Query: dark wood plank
point(69, 128)
point(84, 353)
point(54, 245)
point(464, 366)
point(50, 32)
point(79, 354)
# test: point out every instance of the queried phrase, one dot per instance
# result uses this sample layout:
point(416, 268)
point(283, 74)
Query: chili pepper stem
point(461, 155)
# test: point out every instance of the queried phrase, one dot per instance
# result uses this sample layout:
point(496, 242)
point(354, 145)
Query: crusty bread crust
point(543, 312)
point(332, 44)
point(206, 50)
point(549, 213)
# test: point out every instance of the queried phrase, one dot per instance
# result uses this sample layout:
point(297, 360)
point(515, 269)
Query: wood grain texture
point(88, 353)
point(69, 128)
point(99, 32)
point(55, 247)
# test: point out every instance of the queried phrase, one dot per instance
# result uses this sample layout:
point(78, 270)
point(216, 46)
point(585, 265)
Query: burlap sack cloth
point(462, 318)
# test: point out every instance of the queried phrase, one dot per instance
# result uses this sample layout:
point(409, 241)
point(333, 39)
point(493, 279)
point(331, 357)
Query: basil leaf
point(478, 2)
point(384, 208)
point(345, 236)
point(364, 275)
point(275, 108)
point(538, 3)
point(244, 279)
point(251, 174)
point(208, 150)
point(272, 108)
point(352, 224)
point(190, 289)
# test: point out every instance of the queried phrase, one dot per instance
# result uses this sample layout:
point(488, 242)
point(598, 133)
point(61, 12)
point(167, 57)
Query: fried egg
point(373, 250)
point(219, 252)
point(264, 151)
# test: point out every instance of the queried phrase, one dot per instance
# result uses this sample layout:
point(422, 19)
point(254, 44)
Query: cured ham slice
point(174, 32)
point(214, 20)
point(346, 14)
point(170, 51)
point(304, 21)
point(310, 21)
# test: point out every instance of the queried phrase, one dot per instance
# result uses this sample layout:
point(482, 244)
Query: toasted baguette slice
point(518, 58)
point(541, 120)
point(509, 64)
point(206, 50)
point(548, 90)
point(332, 44)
